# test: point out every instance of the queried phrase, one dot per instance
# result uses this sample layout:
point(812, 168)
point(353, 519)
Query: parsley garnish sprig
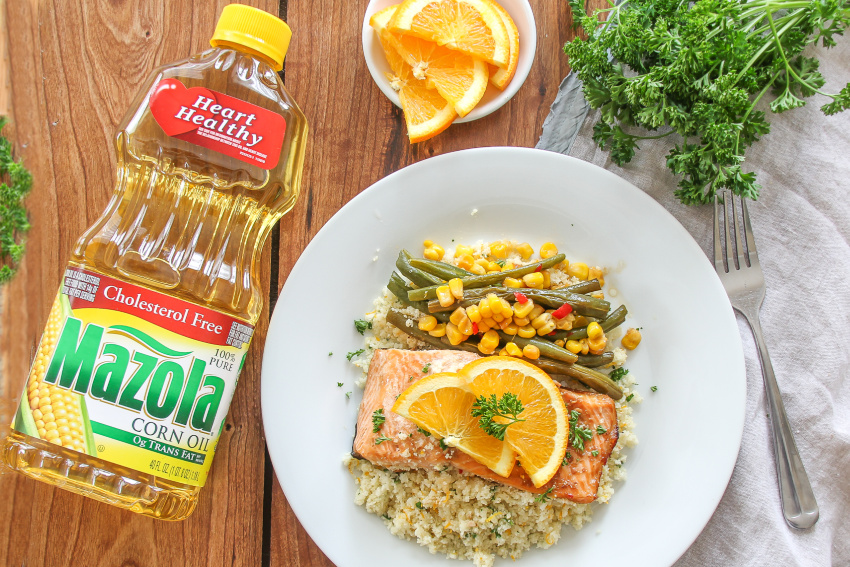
point(508, 407)
point(378, 419)
point(578, 433)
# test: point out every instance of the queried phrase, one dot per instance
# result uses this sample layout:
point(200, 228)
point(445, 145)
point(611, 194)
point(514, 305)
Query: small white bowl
point(493, 99)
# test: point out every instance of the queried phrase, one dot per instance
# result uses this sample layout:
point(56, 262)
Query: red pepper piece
point(474, 328)
point(520, 297)
point(562, 311)
point(538, 268)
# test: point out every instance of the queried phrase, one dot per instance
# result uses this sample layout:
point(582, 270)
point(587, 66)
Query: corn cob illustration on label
point(133, 376)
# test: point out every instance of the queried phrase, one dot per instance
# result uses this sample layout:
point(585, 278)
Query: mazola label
point(134, 377)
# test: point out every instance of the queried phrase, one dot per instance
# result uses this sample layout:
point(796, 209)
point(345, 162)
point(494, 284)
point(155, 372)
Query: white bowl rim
point(527, 51)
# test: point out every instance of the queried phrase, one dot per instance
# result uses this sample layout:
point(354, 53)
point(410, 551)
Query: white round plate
point(493, 99)
point(689, 429)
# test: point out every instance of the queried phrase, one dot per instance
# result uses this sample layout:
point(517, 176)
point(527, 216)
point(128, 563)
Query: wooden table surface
point(68, 72)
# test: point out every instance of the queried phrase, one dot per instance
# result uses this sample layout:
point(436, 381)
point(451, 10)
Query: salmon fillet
point(578, 480)
point(392, 371)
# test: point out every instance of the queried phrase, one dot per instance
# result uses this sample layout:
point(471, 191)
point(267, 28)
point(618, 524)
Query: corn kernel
point(536, 312)
point(542, 319)
point(566, 323)
point(428, 243)
point(483, 262)
point(432, 254)
point(485, 351)
point(483, 327)
point(524, 250)
point(527, 332)
point(594, 330)
point(513, 349)
point(456, 287)
point(597, 346)
point(547, 328)
point(573, 346)
point(490, 322)
point(531, 351)
point(548, 250)
point(498, 317)
point(484, 307)
point(511, 328)
point(578, 270)
point(581, 321)
point(458, 315)
point(465, 262)
point(490, 340)
point(444, 296)
point(465, 327)
point(595, 273)
point(494, 267)
point(509, 266)
point(438, 331)
point(494, 303)
point(585, 348)
point(473, 313)
point(533, 280)
point(427, 323)
point(560, 343)
point(512, 282)
point(503, 324)
point(454, 335)
point(523, 309)
point(547, 279)
point(503, 352)
point(631, 339)
point(499, 250)
point(462, 250)
point(521, 321)
point(598, 295)
point(478, 270)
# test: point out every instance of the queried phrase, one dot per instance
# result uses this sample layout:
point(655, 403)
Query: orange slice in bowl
point(459, 78)
point(442, 404)
point(426, 113)
point(501, 77)
point(473, 27)
point(540, 440)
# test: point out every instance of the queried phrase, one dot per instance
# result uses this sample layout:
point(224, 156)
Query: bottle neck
point(224, 44)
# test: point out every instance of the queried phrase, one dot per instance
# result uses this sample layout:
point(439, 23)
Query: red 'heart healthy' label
point(134, 377)
point(218, 122)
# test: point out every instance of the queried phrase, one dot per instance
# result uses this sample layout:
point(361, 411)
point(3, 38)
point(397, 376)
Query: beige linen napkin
point(802, 230)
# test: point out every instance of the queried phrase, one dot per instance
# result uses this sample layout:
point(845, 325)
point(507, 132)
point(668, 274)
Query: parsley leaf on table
point(697, 70)
point(13, 215)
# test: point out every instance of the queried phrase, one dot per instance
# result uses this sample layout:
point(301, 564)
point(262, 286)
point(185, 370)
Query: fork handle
point(798, 501)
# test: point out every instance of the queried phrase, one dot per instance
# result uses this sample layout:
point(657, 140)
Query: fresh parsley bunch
point(13, 215)
point(698, 69)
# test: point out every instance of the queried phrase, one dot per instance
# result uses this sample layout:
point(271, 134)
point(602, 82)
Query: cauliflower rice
point(462, 515)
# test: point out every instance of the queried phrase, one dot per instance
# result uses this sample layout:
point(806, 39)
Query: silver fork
point(741, 274)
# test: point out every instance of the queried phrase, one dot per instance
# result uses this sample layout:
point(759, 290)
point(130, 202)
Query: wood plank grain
point(358, 137)
point(75, 68)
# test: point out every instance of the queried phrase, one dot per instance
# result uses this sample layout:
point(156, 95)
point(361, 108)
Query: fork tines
point(730, 252)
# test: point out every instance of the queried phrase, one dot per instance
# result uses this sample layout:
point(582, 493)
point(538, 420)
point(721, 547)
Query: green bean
point(415, 275)
point(581, 304)
point(582, 287)
point(587, 376)
point(439, 269)
point(591, 378)
point(615, 319)
point(546, 348)
point(399, 288)
point(471, 282)
point(595, 360)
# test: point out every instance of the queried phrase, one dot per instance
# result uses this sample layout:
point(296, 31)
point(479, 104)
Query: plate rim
point(738, 355)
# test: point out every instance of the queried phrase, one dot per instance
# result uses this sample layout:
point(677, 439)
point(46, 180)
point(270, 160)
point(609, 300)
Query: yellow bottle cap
point(253, 30)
